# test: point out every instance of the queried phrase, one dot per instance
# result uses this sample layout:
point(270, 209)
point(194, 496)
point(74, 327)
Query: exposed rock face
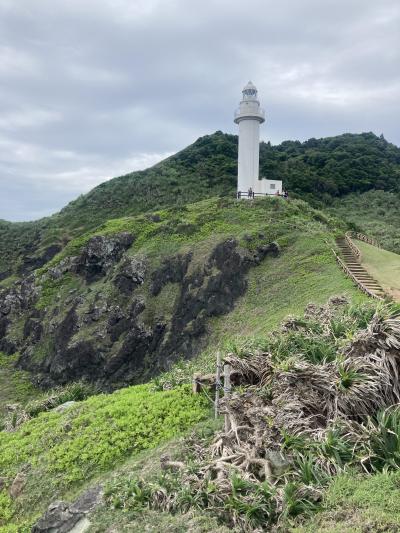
point(172, 270)
point(210, 291)
point(33, 329)
point(112, 332)
point(30, 263)
point(15, 301)
point(61, 517)
point(100, 254)
point(130, 274)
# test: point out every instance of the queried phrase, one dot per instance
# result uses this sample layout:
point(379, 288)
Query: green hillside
point(121, 303)
point(281, 260)
point(318, 170)
point(138, 284)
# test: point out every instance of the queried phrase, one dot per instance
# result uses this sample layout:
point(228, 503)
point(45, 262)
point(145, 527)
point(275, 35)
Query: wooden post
point(227, 392)
point(217, 384)
point(195, 383)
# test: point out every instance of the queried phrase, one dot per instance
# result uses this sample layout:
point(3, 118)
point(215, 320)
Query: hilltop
point(318, 170)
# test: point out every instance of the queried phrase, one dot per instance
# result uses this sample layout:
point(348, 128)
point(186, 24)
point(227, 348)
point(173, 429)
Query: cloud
point(98, 88)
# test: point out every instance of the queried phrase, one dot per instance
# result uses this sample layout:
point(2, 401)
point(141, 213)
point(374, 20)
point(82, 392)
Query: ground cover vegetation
point(162, 265)
point(59, 452)
point(15, 385)
point(313, 424)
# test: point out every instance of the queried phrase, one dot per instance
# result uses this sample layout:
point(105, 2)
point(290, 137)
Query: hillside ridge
point(317, 170)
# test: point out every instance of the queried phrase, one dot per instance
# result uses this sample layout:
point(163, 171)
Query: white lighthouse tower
point(249, 116)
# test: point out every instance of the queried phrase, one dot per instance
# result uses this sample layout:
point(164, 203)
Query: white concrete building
point(249, 116)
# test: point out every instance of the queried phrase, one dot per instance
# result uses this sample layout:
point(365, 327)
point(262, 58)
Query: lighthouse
point(249, 116)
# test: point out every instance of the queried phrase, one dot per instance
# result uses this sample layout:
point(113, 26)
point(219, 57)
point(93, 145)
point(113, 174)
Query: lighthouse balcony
point(243, 114)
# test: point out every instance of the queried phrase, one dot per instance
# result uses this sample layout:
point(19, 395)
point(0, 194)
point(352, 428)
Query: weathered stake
point(217, 384)
point(196, 383)
point(227, 392)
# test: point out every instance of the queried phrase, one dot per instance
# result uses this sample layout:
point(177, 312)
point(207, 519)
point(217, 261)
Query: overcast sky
point(91, 89)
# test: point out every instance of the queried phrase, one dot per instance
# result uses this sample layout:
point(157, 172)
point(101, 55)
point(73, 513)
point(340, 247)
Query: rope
point(218, 386)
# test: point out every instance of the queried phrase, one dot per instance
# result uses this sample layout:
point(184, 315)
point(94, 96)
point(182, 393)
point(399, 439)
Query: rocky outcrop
point(62, 517)
point(20, 297)
point(31, 263)
point(100, 254)
point(211, 290)
point(18, 485)
point(113, 332)
point(172, 270)
point(130, 275)
point(15, 301)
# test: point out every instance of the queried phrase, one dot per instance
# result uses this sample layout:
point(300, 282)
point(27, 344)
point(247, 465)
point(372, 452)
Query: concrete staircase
point(357, 270)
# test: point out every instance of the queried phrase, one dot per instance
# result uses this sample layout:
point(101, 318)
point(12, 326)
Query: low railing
point(353, 277)
point(365, 238)
point(356, 251)
point(260, 113)
point(243, 194)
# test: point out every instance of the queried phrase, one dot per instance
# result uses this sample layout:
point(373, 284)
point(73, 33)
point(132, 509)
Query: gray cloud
point(93, 89)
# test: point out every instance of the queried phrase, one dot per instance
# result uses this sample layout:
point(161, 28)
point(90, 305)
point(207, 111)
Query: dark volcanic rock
point(66, 328)
point(172, 270)
point(113, 337)
point(211, 291)
point(78, 361)
point(29, 264)
point(271, 248)
point(20, 297)
point(33, 329)
point(128, 365)
point(100, 254)
point(15, 301)
point(4, 322)
point(6, 345)
point(130, 274)
point(61, 517)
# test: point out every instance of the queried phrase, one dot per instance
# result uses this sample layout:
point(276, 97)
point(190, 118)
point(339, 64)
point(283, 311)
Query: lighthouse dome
point(250, 90)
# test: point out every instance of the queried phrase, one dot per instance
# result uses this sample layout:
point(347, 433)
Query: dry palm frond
point(250, 369)
point(324, 406)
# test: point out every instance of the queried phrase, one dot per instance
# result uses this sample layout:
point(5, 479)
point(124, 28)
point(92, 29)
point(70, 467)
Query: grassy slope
point(356, 504)
point(117, 517)
point(305, 271)
point(383, 265)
